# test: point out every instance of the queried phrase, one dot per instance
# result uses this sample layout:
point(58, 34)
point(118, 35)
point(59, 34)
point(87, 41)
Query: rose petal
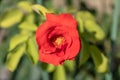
point(47, 48)
point(72, 51)
point(50, 59)
point(42, 33)
point(52, 18)
point(68, 20)
point(62, 19)
point(60, 54)
point(42, 28)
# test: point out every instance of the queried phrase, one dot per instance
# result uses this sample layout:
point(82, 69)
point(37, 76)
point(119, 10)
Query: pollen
point(59, 41)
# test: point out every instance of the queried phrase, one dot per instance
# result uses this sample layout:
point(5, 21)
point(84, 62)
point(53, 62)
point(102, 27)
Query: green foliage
point(96, 55)
point(40, 9)
point(25, 6)
point(90, 31)
point(11, 17)
point(17, 40)
point(30, 17)
point(85, 53)
point(50, 68)
point(85, 15)
point(87, 22)
point(70, 65)
point(89, 37)
point(100, 61)
point(81, 25)
point(28, 26)
point(32, 50)
point(92, 27)
point(14, 57)
point(103, 67)
point(59, 73)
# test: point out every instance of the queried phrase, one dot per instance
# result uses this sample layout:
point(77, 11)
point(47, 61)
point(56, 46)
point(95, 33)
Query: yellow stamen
point(58, 41)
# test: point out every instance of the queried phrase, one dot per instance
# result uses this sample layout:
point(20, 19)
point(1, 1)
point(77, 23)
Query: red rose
point(58, 39)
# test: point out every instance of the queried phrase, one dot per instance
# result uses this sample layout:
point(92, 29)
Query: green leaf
point(85, 53)
point(13, 58)
point(103, 67)
point(100, 61)
point(50, 68)
point(25, 6)
point(89, 36)
point(81, 17)
point(28, 26)
point(96, 55)
point(16, 40)
point(59, 73)
point(40, 9)
point(32, 50)
point(81, 24)
point(70, 65)
point(30, 18)
point(85, 15)
point(11, 18)
point(93, 27)
point(25, 32)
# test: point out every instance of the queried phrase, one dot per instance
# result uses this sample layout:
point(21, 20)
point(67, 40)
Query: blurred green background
point(99, 28)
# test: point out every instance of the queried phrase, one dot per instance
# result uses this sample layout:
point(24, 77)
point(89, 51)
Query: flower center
point(59, 41)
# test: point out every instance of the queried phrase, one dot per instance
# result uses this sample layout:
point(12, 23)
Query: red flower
point(58, 39)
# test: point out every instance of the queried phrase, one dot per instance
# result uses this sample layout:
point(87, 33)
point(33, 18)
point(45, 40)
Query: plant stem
point(114, 35)
point(115, 21)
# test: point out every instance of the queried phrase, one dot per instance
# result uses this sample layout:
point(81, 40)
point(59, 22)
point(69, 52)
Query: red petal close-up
point(58, 39)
